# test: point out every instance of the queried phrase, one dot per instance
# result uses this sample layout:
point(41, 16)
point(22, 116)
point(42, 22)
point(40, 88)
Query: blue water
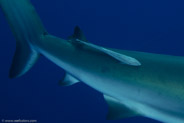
point(144, 25)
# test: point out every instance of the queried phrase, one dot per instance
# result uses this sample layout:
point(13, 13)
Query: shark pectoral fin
point(24, 58)
point(68, 80)
point(120, 57)
point(117, 110)
point(78, 34)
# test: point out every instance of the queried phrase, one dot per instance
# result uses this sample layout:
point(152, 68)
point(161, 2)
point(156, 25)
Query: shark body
point(133, 83)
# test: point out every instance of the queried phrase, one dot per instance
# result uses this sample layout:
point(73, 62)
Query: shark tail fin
point(27, 29)
point(23, 60)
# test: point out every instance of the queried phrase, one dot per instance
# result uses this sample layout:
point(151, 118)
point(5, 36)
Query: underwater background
point(155, 26)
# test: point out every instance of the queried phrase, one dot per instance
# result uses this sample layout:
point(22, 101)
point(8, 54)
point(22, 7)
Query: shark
point(133, 83)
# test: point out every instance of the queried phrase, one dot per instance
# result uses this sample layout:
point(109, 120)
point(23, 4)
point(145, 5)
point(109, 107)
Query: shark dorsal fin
point(118, 56)
point(68, 80)
point(117, 110)
point(78, 34)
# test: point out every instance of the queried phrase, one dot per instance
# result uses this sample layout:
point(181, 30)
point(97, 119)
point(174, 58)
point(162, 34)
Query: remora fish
point(133, 83)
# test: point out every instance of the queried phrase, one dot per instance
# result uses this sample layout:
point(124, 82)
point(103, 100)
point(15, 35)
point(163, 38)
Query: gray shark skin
point(133, 83)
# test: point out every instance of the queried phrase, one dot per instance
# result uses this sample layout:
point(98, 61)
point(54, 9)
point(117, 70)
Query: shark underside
point(133, 83)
